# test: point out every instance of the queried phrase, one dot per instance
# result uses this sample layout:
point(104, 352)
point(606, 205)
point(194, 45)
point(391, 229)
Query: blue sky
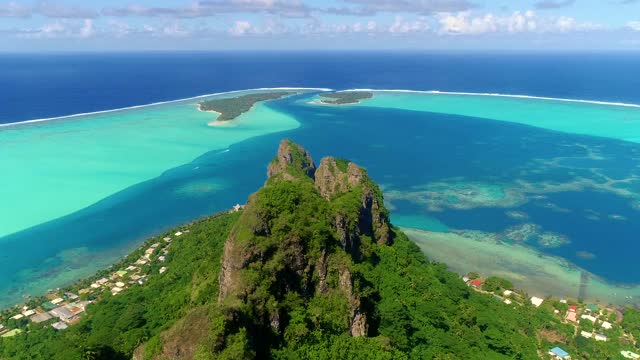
point(92, 25)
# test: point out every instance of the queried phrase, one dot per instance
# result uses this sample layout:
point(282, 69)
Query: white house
point(607, 325)
point(629, 355)
point(536, 301)
point(585, 334)
point(589, 317)
point(601, 337)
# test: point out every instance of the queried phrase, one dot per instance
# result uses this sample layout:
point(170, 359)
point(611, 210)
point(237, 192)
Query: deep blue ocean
point(50, 85)
point(388, 145)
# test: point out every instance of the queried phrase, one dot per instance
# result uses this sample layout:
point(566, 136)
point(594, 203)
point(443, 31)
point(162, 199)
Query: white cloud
point(209, 8)
point(46, 31)
point(464, 23)
point(119, 28)
point(269, 27)
point(240, 28)
point(400, 25)
point(634, 25)
point(87, 29)
point(14, 9)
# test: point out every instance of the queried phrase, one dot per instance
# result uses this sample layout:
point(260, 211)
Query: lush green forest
point(231, 108)
point(310, 269)
point(345, 97)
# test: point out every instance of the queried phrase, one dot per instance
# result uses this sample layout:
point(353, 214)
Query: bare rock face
point(330, 180)
point(291, 156)
point(333, 179)
point(355, 174)
point(230, 269)
point(358, 323)
point(374, 219)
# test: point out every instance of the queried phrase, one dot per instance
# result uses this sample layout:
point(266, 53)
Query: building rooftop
point(62, 312)
point(536, 301)
point(60, 325)
point(559, 352)
point(629, 355)
point(11, 333)
point(38, 318)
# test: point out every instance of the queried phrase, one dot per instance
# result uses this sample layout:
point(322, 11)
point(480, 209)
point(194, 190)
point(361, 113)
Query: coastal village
point(61, 308)
point(590, 322)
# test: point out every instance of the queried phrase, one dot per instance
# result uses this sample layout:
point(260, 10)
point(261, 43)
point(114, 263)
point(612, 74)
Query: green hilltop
point(311, 268)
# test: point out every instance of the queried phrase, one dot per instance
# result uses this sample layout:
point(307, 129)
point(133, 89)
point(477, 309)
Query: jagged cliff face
point(291, 161)
point(299, 238)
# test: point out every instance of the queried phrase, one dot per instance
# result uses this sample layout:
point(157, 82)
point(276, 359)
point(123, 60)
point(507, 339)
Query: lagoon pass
point(544, 192)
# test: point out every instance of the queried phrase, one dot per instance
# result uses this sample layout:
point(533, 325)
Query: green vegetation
point(310, 269)
point(231, 108)
point(345, 97)
point(494, 283)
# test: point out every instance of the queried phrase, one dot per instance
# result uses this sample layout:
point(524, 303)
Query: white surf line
point(436, 92)
point(155, 104)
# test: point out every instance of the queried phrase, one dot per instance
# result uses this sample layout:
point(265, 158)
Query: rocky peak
point(330, 179)
point(291, 161)
point(281, 243)
point(334, 178)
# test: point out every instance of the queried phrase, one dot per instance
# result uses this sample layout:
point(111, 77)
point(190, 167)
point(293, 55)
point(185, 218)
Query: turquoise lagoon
point(612, 120)
point(74, 162)
point(547, 187)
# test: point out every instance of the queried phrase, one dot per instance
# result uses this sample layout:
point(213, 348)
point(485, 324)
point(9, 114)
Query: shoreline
point(214, 122)
point(26, 122)
point(320, 102)
point(430, 92)
point(84, 281)
point(540, 274)
point(514, 96)
point(221, 123)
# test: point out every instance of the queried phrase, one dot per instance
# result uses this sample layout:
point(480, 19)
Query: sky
point(137, 25)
